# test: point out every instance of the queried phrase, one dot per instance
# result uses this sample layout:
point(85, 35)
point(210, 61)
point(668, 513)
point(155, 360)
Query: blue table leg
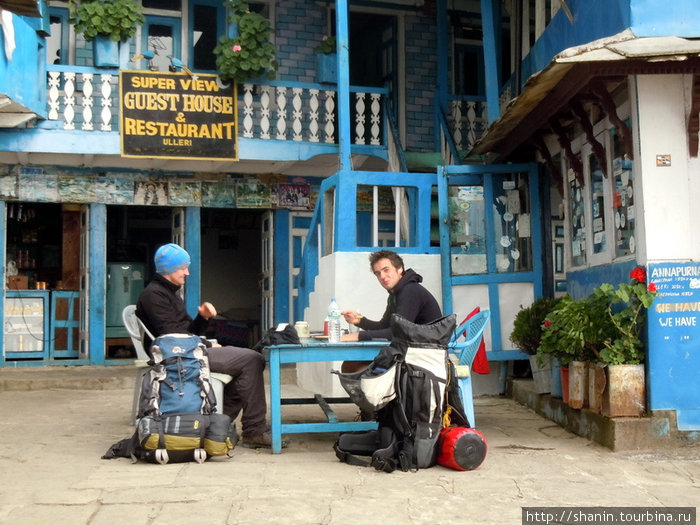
point(275, 402)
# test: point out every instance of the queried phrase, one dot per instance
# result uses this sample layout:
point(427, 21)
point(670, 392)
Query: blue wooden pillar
point(193, 245)
point(491, 35)
point(282, 284)
point(345, 229)
point(442, 55)
point(97, 282)
point(342, 38)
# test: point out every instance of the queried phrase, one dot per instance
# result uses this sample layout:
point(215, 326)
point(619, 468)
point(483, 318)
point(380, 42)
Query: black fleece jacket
point(410, 300)
point(163, 311)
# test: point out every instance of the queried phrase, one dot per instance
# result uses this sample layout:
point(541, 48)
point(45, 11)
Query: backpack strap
point(350, 459)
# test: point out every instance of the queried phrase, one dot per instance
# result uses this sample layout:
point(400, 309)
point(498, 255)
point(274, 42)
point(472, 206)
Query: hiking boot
point(263, 440)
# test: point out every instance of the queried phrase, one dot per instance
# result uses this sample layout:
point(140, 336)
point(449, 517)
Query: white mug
point(302, 328)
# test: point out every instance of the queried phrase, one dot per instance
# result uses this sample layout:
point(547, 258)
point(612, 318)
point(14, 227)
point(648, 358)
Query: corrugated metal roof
point(618, 50)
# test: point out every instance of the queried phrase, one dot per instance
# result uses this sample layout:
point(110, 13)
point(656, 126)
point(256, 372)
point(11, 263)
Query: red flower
point(652, 287)
point(639, 275)
point(547, 323)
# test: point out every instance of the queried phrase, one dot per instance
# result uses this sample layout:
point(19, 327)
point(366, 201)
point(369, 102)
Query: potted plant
point(327, 61)
point(250, 54)
point(574, 333)
point(106, 23)
point(623, 352)
point(527, 335)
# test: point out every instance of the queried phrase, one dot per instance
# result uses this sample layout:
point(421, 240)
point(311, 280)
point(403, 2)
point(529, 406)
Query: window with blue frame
point(57, 40)
point(207, 23)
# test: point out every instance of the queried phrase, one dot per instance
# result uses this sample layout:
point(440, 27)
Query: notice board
point(674, 341)
point(177, 115)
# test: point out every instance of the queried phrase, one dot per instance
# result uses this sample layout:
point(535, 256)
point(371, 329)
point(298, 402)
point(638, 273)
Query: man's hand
point(207, 310)
point(350, 337)
point(352, 317)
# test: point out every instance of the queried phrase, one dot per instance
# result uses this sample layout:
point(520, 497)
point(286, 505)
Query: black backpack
point(412, 387)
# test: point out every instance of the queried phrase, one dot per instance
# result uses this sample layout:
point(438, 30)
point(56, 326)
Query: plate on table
point(319, 336)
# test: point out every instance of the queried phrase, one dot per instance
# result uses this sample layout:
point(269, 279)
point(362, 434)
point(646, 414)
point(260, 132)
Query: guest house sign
point(177, 115)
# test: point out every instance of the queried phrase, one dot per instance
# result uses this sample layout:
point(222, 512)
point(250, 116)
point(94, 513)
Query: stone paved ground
point(51, 440)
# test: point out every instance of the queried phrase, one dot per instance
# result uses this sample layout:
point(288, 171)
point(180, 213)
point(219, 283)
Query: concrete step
point(654, 431)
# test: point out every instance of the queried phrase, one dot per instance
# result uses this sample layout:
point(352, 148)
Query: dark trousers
point(247, 389)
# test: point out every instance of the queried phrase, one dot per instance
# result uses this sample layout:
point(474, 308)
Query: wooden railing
point(87, 99)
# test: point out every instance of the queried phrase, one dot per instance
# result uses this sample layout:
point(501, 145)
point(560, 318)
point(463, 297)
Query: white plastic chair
point(464, 352)
point(136, 329)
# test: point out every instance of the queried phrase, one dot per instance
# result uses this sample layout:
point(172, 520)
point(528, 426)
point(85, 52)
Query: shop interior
point(230, 241)
point(43, 274)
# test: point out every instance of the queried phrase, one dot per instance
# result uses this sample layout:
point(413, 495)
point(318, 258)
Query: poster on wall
point(674, 342)
point(175, 115)
point(252, 194)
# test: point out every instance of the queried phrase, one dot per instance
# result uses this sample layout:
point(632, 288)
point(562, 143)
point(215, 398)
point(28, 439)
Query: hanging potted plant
point(106, 23)
point(527, 335)
point(623, 352)
point(327, 61)
point(249, 55)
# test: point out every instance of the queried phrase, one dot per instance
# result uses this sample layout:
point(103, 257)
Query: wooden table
point(312, 350)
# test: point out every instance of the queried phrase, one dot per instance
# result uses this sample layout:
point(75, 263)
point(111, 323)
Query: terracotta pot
point(596, 385)
point(564, 374)
point(624, 393)
point(578, 385)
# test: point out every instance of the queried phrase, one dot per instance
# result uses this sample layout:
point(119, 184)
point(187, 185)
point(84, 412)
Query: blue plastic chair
point(464, 345)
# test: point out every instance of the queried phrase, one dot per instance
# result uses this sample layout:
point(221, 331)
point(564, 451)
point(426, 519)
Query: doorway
point(230, 268)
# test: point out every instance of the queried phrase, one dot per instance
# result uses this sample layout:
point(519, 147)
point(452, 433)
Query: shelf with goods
point(26, 324)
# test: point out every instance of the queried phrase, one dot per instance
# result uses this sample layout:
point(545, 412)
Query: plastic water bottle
point(333, 322)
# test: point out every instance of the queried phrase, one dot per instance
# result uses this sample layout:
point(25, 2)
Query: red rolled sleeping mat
point(461, 448)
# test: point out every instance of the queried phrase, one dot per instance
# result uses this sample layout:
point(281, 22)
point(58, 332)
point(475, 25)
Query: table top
point(309, 350)
point(312, 342)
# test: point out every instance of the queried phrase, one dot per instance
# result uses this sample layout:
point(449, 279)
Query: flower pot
point(596, 385)
point(564, 374)
point(624, 393)
point(105, 52)
point(578, 386)
point(555, 386)
point(541, 375)
point(327, 68)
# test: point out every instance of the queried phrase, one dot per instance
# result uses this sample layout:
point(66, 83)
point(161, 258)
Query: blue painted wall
point(581, 283)
point(593, 19)
point(650, 18)
point(18, 76)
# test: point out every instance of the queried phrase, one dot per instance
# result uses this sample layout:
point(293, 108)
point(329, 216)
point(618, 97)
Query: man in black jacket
point(163, 312)
point(407, 297)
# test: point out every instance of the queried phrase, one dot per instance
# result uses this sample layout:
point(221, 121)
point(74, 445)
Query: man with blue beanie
point(163, 312)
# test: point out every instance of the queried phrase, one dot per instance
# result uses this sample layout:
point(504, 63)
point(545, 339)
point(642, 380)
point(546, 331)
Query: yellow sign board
point(177, 115)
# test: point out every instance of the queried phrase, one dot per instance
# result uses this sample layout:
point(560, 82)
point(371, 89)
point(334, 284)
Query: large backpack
point(411, 385)
point(177, 407)
point(179, 379)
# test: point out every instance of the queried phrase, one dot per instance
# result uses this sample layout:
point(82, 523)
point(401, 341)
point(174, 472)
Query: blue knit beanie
point(169, 258)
